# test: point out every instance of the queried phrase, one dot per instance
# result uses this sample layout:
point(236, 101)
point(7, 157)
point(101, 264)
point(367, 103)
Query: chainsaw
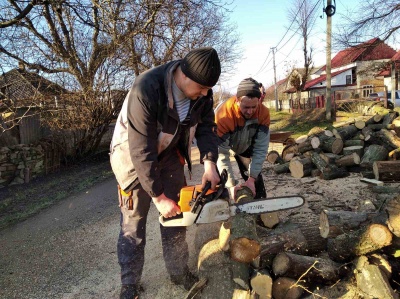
point(207, 206)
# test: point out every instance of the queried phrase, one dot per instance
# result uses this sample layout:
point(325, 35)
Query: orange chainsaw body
point(189, 194)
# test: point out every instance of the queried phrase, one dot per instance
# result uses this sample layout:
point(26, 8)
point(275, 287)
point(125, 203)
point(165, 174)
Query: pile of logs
point(370, 147)
point(341, 254)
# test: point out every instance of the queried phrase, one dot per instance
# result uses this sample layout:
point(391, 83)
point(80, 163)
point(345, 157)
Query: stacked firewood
point(340, 254)
point(368, 146)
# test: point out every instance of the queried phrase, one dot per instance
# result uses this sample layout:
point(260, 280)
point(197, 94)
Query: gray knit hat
point(202, 66)
point(248, 87)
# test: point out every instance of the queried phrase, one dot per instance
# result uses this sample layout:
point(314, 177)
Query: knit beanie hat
point(248, 87)
point(202, 66)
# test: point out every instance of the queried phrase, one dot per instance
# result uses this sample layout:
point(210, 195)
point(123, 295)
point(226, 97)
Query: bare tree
point(16, 11)
point(92, 47)
point(370, 19)
point(303, 14)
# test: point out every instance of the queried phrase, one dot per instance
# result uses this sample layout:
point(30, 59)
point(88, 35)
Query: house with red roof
point(392, 69)
point(353, 70)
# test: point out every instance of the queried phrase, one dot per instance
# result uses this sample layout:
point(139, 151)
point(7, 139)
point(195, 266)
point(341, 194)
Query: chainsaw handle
point(200, 197)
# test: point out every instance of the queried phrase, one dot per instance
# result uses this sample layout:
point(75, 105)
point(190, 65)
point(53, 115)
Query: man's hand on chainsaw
point(210, 175)
point(166, 206)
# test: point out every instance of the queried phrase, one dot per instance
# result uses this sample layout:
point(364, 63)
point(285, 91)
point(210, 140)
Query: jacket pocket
point(122, 165)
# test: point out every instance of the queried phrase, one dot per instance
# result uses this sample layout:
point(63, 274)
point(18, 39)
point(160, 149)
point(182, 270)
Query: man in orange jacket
point(243, 128)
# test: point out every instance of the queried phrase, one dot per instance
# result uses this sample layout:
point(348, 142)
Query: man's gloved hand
point(166, 206)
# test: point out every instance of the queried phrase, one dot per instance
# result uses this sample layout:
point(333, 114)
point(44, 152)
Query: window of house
point(353, 76)
point(348, 79)
point(367, 89)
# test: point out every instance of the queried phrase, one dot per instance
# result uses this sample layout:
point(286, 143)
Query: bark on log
point(352, 142)
point(389, 118)
point(282, 168)
point(387, 171)
point(346, 132)
point(285, 237)
point(300, 168)
point(261, 284)
point(328, 171)
point(388, 138)
point(385, 189)
point(310, 268)
point(372, 281)
point(373, 153)
point(329, 158)
point(374, 119)
point(243, 243)
point(348, 160)
point(335, 223)
point(331, 144)
point(362, 241)
point(305, 146)
point(241, 275)
point(367, 133)
point(286, 288)
point(358, 149)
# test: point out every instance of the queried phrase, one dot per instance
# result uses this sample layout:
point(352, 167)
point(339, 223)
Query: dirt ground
point(69, 250)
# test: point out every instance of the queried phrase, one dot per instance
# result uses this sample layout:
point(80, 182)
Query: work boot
point(187, 280)
point(129, 291)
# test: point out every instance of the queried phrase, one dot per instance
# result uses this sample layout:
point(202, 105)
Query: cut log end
point(244, 250)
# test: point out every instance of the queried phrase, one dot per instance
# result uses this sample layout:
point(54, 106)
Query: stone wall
point(20, 163)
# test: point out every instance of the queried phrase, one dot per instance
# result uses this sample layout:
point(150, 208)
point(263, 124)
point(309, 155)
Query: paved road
point(69, 251)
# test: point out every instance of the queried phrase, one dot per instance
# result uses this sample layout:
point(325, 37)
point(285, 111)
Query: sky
point(263, 24)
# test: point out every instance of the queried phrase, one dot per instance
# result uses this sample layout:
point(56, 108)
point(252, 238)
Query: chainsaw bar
point(272, 204)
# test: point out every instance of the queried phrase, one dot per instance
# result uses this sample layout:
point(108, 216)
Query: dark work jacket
point(148, 126)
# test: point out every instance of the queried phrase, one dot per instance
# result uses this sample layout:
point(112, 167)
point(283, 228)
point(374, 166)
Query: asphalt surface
point(69, 251)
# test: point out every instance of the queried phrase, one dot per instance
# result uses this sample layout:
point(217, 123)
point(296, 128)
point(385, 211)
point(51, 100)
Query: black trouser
point(132, 237)
point(243, 160)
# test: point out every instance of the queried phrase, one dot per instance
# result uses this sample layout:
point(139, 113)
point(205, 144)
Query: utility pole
point(276, 87)
point(328, 105)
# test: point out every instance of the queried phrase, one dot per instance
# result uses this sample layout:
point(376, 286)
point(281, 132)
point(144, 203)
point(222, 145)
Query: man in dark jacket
point(166, 108)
